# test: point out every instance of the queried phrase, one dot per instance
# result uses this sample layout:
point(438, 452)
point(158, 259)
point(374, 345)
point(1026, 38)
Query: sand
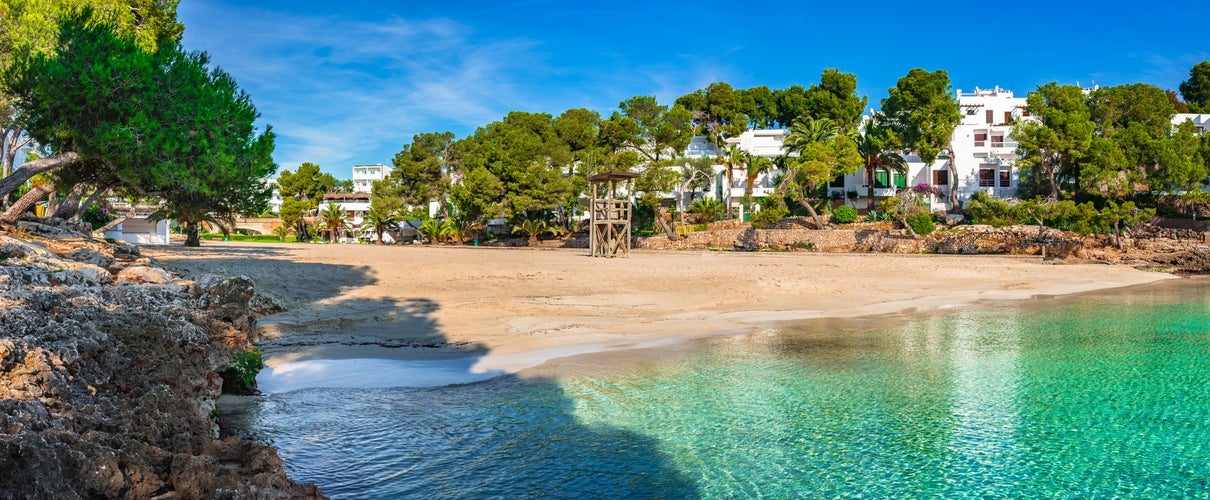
point(509, 309)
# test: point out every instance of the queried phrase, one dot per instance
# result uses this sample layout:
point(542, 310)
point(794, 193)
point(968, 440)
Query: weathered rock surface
point(108, 389)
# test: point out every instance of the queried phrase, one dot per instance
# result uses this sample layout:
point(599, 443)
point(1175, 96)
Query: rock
point(90, 256)
point(108, 390)
point(144, 274)
point(954, 219)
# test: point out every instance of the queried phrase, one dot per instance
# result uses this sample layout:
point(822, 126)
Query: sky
point(350, 82)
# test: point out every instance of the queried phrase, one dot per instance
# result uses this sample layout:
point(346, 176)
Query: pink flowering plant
point(925, 189)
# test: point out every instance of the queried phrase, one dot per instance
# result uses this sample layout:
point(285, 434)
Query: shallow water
point(1096, 396)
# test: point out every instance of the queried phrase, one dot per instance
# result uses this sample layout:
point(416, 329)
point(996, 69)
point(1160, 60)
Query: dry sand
point(514, 308)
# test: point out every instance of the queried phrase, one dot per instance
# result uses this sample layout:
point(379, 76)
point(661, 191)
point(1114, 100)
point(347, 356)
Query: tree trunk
point(28, 170)
point(1050, 175)
point(870, 191)
point(953, 175)
point(67, 208)
point(88, 203)
point(811, 210)
point(192, 238)
point(14, 212)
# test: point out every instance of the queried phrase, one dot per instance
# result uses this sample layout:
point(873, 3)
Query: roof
point(612, 175)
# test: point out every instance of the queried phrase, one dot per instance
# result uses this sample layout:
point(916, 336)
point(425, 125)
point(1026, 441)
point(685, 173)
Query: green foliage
point(769, 215)
point(97, 215)
point(1196, 90)
point(822, 155)
point(531, 227)
point(282, 232)
point(240, 378)
point(379, 219)
point(922, 224)
point(1054, 147)
point(844, 214)
point(877, 216)
point(923, 111)
point(986, 209)
point(420, 173)
point(434, 230)
point(332, 218)
point(159, 123)
point(708, 209)
point(835, 98)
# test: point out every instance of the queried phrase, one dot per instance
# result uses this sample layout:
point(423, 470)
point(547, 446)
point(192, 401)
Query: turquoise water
point(1099, 396)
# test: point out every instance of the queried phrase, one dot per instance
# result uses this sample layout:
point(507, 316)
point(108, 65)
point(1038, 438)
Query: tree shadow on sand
point(506, 437)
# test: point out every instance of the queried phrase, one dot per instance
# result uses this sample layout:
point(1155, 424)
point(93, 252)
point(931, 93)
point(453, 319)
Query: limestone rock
point(144, 274)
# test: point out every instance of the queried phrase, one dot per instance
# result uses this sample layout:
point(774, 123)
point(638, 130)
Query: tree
point(816, 153)
point(835, 98)
point(161, 124)
point(755, 165)
point(1122, 217)
point(421, 173)
point(876, 144)
point(1133, 147)
point(342, 186)
point(1196, 90)
point(282, 232)
point(301, 192)
point(708, 209)
point(31, 27)
point(379, 219)
point(532, 227)
point(924, 113)
point(1060, 138)
point(332, 217)
point(717, 112)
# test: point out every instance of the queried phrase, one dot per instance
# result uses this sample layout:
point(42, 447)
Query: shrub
point(844, 214)
point(984, 209)
point(922, 224)
point(241, 377)
point(768, 216)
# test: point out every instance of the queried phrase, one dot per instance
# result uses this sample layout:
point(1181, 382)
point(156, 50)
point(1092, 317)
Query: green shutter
point(900, 180)
point(880, 179)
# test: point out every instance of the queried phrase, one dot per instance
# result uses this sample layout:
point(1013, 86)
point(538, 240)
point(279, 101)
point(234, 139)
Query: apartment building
point(365, 175)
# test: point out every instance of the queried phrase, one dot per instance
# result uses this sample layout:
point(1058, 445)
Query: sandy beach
point(509, 309)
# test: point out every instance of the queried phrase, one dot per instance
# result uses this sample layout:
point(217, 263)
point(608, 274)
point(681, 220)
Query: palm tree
point(282, 232)
point(874, 146)
point(532, 228)
point(732, 158)
point(333, 218)
point(756, 165)
point(805, 133)
point(708, 209)
point(434, 229)
point(379, 219)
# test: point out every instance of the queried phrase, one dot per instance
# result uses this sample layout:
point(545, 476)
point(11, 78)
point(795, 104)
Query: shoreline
point(476, 313)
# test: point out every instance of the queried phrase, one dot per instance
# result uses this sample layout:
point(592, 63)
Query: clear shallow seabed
point(1102, 395)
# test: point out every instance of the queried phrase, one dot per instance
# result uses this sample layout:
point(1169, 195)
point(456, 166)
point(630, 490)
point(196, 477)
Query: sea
point(1099, 395)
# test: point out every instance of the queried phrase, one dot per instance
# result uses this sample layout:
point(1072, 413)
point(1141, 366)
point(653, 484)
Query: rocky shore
point(109, 372)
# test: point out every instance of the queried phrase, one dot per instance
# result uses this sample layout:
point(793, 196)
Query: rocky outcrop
point(109, 372)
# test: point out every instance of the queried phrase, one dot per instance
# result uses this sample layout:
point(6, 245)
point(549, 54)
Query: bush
point(241, 377)
point(768, 216)
point(844, 214)
point(984, 209)
point(922, 224)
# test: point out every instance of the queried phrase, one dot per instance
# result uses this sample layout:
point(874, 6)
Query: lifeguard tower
point(608, 216)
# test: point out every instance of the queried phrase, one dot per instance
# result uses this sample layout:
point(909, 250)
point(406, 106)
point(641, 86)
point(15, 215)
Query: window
point(1006, 177)
point(997, 141)
point(1200, 129)
point(1008, 117)
point(980, 140)
point(900, 180)
point(941, 177)
point(988, 116)
point(987, 177)
point(971, 111)
point(881, 180)
point(838, 182)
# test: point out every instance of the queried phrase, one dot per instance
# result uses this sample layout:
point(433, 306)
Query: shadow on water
point(509, 436)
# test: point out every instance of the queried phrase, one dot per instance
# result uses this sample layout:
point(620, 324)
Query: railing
point(609, 210)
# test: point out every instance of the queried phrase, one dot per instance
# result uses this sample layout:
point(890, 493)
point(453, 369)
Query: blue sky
point(350, 82)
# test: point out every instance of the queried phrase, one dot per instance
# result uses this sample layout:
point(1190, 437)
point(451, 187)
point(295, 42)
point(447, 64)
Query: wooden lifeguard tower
point(609, 217)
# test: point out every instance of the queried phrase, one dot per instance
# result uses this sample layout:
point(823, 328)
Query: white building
point(365, 175)
point(1201, 122)
point(140, 230)
point(984, 151)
